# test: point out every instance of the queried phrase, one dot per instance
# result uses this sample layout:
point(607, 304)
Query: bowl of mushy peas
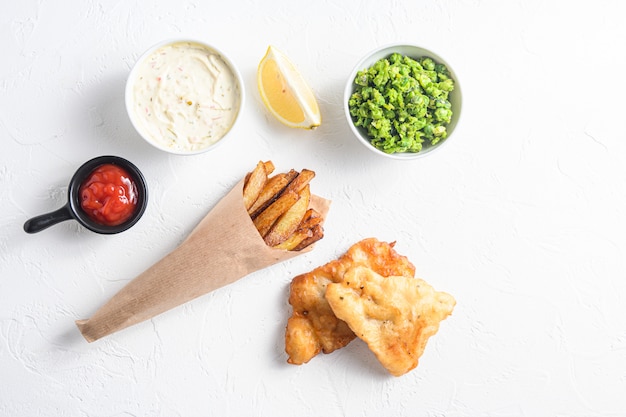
point(184, 96)
point(402, 101)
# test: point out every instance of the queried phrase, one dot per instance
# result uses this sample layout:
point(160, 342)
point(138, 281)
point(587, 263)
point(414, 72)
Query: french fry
point(255, 183)
point(264, 221)
point(310, 219)
point(317, 232)
point(295, 239)
point(278, 207)
point(301, 180)
point(269, 167)
point(311, 214)
point(271, 191)
point(311, 226)
point(290, 220)
point(308, 232)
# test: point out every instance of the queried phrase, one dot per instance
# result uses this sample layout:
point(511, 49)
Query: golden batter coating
point(313, 327)
point(394, 315)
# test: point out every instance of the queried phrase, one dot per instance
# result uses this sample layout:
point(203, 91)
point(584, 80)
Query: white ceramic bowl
point(188, 105)
point(414, 52)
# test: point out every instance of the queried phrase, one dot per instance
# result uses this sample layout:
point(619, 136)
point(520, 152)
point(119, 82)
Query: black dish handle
point(41, 222)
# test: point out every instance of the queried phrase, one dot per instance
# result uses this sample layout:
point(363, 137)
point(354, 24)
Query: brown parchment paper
point(224, 247)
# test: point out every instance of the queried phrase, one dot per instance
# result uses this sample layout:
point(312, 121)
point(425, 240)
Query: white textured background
point(520, 217)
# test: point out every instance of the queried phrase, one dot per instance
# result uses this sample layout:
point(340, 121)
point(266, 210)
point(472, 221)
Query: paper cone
point(224, 247)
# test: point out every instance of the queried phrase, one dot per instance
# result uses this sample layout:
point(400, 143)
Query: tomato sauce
point(109, 195)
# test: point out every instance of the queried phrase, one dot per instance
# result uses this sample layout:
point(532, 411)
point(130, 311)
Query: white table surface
point(520, 216)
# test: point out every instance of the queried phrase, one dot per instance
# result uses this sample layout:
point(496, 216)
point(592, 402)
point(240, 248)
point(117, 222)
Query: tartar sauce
point(185, 96)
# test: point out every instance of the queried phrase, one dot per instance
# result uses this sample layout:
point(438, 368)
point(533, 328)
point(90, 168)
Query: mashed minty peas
point(403, 103)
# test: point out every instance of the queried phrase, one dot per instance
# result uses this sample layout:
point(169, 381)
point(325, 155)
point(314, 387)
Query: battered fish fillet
point(313, 327)
point(394, 315)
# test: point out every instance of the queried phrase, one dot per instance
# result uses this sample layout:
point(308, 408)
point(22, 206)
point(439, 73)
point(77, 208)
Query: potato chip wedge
point(264, 221)
point(310, 213)
point(317, 232)
point(310, 219)
point(295, 239)
point(269, 167)
point(278, 206)
point(254, 184)
point(273, 188)
point(301, 180)
point(308, 232)
point(290, 220)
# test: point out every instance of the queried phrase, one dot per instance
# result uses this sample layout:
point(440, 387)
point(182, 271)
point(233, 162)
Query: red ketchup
point(108, 195)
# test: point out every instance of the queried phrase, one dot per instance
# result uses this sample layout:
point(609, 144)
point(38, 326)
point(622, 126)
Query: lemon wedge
point(285, 93)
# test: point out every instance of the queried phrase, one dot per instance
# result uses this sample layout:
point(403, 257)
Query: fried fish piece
point(394, 315)
point(313, 327)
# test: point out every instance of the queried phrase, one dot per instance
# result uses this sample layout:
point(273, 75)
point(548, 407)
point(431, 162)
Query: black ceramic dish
point(73, 209)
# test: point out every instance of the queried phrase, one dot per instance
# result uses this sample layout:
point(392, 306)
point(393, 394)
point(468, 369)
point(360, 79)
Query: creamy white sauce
point(185, 97)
